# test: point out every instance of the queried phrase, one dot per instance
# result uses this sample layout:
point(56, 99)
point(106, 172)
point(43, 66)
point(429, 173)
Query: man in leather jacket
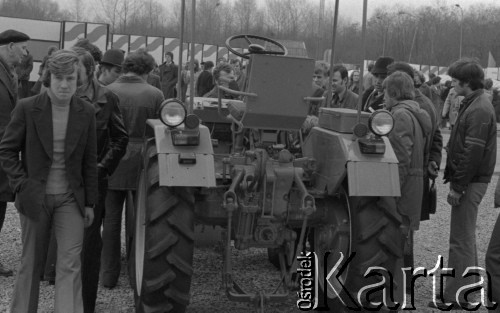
point(112, 140)
point(469, 167)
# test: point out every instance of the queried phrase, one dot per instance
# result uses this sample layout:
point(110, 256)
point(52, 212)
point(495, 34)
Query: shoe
point(5, 271)
point(454, 306)
point(109, 281)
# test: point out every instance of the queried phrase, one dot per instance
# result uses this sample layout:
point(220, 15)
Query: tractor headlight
point(381, 122)
point(172, 112)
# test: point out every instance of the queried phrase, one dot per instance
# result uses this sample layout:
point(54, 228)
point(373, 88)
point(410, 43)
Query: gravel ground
point(251, 266)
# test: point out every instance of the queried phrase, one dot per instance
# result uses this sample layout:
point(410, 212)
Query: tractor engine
point(267, 192)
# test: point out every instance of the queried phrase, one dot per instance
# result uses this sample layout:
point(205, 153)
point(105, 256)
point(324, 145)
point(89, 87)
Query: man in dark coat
point(432, 155)
point(434, 143)
point(12, 49)
point(139, 101)
point(168, 76)
point(112, 139)
point(49, 154)
point(23, 71)
point(411, 127)
point(205, 81)
point(373, 97)
point(469, 167)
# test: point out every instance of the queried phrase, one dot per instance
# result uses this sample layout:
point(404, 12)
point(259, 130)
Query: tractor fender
point(174, 169)
point(338, 157)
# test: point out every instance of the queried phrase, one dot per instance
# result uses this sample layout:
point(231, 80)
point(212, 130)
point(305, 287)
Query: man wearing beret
point(12, 49)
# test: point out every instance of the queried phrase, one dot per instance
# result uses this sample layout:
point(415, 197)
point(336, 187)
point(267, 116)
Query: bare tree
point(245, 11)
point(79, 11)
point(430, 33)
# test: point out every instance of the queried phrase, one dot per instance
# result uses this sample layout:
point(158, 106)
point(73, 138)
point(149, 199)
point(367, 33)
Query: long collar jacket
point(30, 132)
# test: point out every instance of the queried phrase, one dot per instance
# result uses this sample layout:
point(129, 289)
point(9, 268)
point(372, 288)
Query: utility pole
point(461, 28)
point(319, 55)
point(414, 33)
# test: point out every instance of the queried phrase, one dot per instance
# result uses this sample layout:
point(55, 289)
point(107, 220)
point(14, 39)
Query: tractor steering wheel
point(254, 48)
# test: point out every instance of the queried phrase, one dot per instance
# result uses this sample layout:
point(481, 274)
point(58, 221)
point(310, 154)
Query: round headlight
point(172, 112)
point(381, 122)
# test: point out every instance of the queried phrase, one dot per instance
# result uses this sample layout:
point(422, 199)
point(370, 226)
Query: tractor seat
point(236, 109)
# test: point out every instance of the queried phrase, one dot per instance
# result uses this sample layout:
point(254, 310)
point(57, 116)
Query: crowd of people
point(79, 132)
point(419, 109)
point(70, 152)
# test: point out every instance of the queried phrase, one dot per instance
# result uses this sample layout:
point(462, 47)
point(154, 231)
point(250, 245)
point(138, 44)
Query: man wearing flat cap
point(373, 97)
point(12, 49)
point(110, 67)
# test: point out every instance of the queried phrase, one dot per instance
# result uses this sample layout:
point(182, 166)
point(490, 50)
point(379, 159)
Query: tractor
point(243, 165)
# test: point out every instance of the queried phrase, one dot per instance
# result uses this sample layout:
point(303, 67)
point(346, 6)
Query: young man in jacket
point(49, 154)
point(139, 101)
point(412, 126)
point(469, 167)
point(168, 76)
point(112, 139)
point(205, 81)
point(434, 142)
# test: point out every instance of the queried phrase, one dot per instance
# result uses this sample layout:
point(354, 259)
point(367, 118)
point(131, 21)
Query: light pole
point(414, 33)
point(319, 55)
point(383, 19)
point(461, 27)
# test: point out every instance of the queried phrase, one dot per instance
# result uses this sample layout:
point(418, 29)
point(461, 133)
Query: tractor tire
point(332, 237)
point(161, 257)
point(377, 240)
point(374, 236)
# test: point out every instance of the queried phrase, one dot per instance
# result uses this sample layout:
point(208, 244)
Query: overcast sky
point(353, 8)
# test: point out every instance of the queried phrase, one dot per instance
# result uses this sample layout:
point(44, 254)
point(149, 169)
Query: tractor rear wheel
point(333, 237)
point(377, 240)
point(161, 260)
point(366, 226)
